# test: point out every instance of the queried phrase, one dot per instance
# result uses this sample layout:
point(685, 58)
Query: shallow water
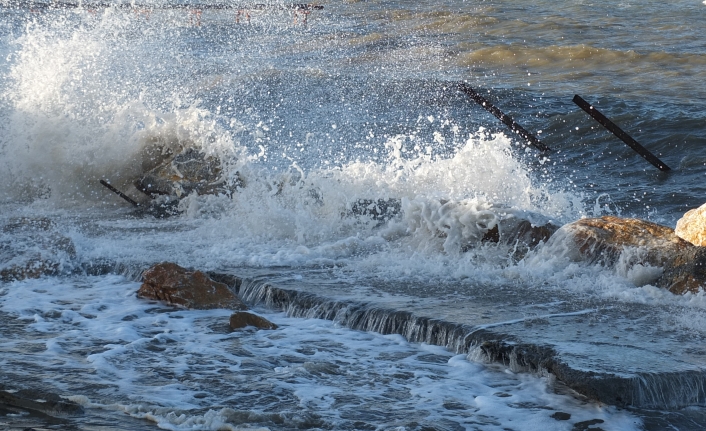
point(359, 103)
point(184, 369)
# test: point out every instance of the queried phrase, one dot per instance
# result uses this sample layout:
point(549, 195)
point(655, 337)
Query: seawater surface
point(361, 102)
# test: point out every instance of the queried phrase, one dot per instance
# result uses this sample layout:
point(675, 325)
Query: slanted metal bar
point(617, 131)
point(508, 121)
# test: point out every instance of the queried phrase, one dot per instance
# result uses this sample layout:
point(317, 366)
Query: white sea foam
point(183, 370)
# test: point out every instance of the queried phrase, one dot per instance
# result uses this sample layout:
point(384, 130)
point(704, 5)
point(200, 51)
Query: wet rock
point(588, 425)
point(32, 247)
point(180, 174)
point(175, 285)
point(692, 226)
point(561, 416)
point(686, 273)
point(605, 239)
point(611, 240)
point(379, 210)
point(469, 223)
point(40, 401)
point(244, 319)
point(520, 233)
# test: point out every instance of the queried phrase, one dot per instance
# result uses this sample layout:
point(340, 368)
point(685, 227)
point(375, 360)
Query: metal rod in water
point(617, 131)
point(119, 193)
point(509, 122)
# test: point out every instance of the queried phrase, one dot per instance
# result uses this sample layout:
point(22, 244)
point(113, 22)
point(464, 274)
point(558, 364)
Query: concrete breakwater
point(673, 383)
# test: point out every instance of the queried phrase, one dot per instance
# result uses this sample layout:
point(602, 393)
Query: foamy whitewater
point(307, 119)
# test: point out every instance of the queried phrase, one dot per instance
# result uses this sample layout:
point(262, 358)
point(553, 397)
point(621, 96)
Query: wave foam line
point(669, 391)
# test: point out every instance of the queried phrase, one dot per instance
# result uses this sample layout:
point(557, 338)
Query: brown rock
point(692, 227)
point(175, 285)
point(687, 273)
point(243, 319)
point(604, 240)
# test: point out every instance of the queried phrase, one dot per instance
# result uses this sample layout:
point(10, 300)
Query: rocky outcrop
point(181, 174)
point(39, 401)
point(32, 247)
point(692, 227)
point(608, 240)
point(605, 239)
point(175, 285)
point(243, 319)
point(686, 273)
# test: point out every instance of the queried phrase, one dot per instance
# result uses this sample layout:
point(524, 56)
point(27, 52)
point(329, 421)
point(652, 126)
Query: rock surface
point(521, 234)
point(692, 226)
point(244, 319)
point(609, 240)
point(181, 174)
point(605, 239)
point(32, 247)
point(175, 285)
point(40, 401)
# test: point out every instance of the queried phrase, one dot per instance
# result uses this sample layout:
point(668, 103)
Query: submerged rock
point(244, 319)
point(692, 226)
point(611, 240)
point(40, 401)
point(180, 174)
point(32, 247)
point(175, 285)
point(379, 210)
point(520, 233)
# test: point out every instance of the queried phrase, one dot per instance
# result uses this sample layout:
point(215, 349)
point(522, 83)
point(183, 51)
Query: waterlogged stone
point(40, 401)
point(182, 173)
point(244, 319)
point(692, 227)
point(521, 234)
point(175, 285)
point(31, 247)
point(605, 239)
point(630, 242)
point(561, 416)
point(588, 425)
point(687, 273)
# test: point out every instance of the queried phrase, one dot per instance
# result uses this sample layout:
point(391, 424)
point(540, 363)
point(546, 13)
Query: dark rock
point(561, 416)
point(521, 234)
point(588, 425)
point(190, 289)
point(243, 319)
point(181, 174)
point(31, 248)
point(379, 210)
point(40, 401)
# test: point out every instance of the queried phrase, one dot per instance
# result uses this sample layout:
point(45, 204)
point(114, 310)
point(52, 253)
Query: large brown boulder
point(605, 239)
point(243, 319)
point(175, 285)
point(608, 239)
point(692, 226)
